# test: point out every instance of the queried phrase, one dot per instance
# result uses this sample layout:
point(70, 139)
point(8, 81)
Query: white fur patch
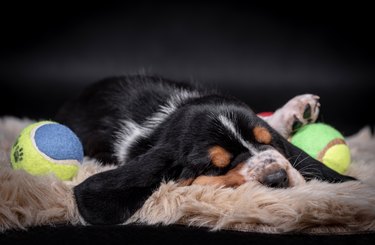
point(127, 135)
point(230, 126)
point(172, 104)
point(131, 131)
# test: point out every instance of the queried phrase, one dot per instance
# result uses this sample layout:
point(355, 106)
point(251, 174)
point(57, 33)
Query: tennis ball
point(325, 144)
point(47, 147)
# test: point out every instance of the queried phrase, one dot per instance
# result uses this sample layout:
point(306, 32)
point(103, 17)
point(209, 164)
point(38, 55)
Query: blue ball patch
point(58, 142)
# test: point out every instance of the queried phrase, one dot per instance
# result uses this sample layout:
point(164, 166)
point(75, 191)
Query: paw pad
point(307, 112)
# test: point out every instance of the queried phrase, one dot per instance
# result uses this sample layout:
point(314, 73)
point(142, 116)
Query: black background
point(264, 54)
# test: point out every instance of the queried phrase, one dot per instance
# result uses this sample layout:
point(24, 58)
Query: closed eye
point(240, 158)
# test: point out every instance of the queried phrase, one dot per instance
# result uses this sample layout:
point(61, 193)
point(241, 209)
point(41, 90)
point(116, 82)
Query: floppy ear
point(309, 167)
point(113, 196)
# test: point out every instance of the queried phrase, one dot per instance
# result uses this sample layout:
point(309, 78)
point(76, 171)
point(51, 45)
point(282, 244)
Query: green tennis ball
point(325, 144)
point(47, 147)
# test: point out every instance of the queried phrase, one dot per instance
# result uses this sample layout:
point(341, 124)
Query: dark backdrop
point(262, 54)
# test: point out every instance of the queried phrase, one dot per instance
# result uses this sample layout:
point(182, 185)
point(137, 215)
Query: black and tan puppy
point(156, 129)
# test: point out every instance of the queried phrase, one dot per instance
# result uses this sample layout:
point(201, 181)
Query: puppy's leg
point(111, 197)
point(298, 111)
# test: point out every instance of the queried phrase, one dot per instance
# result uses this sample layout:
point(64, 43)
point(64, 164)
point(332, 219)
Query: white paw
point(300, 110)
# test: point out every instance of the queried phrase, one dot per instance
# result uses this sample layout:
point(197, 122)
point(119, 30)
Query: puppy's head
point(242, 138)
point(239, 138)
point(255, 158)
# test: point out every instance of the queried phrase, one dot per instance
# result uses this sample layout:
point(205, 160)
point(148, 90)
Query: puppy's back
point(99, 111)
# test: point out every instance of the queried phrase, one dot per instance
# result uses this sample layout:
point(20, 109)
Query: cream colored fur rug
point(316, 207)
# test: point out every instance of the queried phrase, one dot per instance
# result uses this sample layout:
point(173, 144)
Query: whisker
point(301, 161)
point(315, 174)
point(311, 166)
point(310, 171)
point(294, 156)
point(297, 158)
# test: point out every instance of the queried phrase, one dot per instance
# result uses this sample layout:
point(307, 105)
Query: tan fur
point(316, 207)
point(219, 156)
point(262, 135)
point(232, 179)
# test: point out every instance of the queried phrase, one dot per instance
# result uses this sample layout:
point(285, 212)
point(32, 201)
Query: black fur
point(175, 149)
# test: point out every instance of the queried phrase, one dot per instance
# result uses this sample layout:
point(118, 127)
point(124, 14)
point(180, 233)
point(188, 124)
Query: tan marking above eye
point(262, 135)
point(219, 156)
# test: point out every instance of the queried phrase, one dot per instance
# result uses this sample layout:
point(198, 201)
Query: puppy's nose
point(278, 179)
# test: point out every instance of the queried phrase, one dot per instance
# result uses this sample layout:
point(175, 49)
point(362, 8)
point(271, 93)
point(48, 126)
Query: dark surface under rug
point(173, 234)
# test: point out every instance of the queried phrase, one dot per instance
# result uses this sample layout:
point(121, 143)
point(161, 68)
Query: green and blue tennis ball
point(47, 147)
point(325, 144)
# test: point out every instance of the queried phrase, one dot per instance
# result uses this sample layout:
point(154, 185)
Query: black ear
point(309, 167)
point(113, 196)
point(107, 198)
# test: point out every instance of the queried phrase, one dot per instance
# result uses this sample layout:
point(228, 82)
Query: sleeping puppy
point(155, 129)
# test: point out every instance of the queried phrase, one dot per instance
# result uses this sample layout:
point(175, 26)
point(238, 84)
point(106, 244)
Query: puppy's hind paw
point(297, 112)
point(301, 110)
point(304, 108)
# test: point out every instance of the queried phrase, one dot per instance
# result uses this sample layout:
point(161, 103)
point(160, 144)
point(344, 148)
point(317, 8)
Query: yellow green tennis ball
point(325, 144)
point(47, 147)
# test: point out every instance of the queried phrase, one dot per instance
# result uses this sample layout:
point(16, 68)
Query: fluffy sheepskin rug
point(315, 207)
